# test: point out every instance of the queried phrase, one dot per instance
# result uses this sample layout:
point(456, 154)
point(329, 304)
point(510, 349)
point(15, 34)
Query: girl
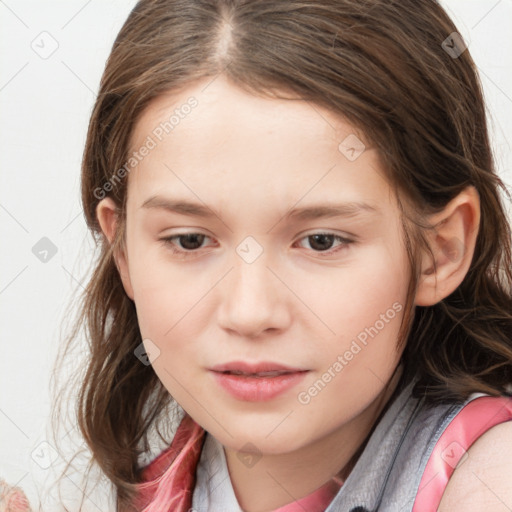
point(304, 251)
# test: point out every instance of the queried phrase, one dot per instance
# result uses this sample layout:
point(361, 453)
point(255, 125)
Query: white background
point(45, 104)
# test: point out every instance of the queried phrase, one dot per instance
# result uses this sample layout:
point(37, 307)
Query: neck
point(278, 479)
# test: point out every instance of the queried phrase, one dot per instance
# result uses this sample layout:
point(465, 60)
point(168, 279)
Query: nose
point(253, 299)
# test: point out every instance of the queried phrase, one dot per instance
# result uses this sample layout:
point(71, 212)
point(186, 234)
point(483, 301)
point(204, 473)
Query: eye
point(322, 242)
point(189, 242)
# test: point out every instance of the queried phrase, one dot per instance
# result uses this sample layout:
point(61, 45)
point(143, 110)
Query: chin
point(259, 436)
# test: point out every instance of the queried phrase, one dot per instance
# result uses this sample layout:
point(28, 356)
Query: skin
point(482, 481)
point(251, 160)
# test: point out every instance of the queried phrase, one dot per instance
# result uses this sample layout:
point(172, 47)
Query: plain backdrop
point(53, 54)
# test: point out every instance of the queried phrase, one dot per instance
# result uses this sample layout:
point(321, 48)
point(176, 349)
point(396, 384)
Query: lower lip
point(257, 389)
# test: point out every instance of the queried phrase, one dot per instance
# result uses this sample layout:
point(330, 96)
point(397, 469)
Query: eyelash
point(167, 241)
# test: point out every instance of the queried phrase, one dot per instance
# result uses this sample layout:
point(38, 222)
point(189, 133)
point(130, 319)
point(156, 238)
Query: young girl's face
point(261, 177)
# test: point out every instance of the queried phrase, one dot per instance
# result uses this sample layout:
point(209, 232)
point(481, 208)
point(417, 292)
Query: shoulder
point(482, 481)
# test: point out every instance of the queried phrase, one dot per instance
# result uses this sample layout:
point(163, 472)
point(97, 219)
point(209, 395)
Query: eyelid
point(329, 231)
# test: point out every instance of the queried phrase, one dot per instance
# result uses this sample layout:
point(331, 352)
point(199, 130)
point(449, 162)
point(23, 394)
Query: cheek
point(169, 311)
point(163, 292)
point(364, 308)
point(169, 307)
point(351, 298)
point(173, 308)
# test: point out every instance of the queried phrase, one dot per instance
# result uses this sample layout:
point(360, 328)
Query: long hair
point(383, 65)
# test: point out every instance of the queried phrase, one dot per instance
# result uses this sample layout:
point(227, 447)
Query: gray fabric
point(387, 475)
point(213, 490)
point(385, 478)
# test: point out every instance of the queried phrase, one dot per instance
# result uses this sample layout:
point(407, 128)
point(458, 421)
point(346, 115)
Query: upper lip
point(264, 366)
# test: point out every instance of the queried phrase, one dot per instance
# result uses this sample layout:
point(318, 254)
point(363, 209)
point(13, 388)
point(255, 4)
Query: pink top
point(317, 501)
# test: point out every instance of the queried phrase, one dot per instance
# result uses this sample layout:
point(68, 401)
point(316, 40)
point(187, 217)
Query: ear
point(452, 239)
point(106, 213)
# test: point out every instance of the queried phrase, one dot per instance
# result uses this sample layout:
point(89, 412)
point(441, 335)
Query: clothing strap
point(471, 422)
point(182, 486)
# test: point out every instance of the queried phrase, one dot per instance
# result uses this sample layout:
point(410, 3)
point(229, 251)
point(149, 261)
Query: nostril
point(359, 509)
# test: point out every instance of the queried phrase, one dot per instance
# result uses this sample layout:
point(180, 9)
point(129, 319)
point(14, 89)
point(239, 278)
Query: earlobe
point(452, 239)
point(106, 213)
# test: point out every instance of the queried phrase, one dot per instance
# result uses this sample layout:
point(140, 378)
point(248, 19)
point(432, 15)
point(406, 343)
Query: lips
point(257, 374)
point(257, 382)
point(262, 369)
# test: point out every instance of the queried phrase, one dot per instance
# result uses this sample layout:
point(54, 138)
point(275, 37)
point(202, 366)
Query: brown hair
point(382, 66)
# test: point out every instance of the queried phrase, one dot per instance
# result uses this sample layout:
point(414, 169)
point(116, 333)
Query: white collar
point(213, 490)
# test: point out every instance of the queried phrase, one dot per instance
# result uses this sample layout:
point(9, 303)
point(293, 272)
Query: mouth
point(264, 368)
point(258, 374)
point(257, 382)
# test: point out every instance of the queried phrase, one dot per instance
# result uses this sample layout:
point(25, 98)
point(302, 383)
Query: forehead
point(212, 139)
point(220, 105)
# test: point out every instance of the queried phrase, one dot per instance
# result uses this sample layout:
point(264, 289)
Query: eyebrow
point(326, 210)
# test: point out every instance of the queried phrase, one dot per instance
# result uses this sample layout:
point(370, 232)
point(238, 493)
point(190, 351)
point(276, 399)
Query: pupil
point(321, 237)
point(193, 238)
